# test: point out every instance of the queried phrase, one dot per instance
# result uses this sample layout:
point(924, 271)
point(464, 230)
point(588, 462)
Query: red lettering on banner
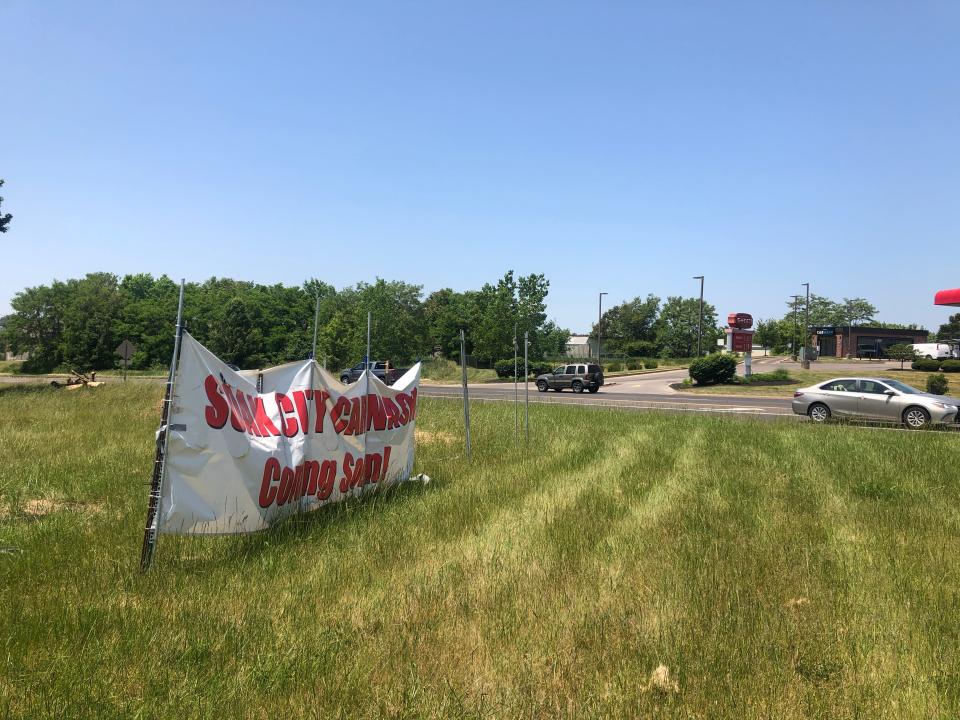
point(289, 425)
point(355, 427)
point(236, 419)
point(376, 416)
point(328, 475)
point(347, 478)
point(393, 413)
point(413, 404)
point(218, 412)
point(337, 414)
point(403, 403)
point(374, 465)
point(286, 482)
point(271, 473)
point(264, 423)
point(246, 414)
point(300, 398)
point(311, 473)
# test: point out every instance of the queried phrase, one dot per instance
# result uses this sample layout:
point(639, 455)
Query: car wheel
point(594, 389)
point(577, 386)
point(916, 418)
point(542, 385)
point(819, 412)
point(345, 379)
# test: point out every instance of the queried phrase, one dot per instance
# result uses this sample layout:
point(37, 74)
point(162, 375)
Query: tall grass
point(777, 570)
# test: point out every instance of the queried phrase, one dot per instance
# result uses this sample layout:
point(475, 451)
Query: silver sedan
point(874, 399)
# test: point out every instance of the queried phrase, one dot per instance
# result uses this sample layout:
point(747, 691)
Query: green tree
point(4, 219)
point(950, 330)
point(447, 312)
point(678, 323)
point(902, 352)
point(858, 311)
point(36, 326)
point(630, 327)
point(769, 335)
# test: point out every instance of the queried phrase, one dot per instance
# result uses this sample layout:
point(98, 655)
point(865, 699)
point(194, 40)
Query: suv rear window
point(593, 368)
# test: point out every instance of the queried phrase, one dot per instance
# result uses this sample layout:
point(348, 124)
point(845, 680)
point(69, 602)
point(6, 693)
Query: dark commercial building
point(862, 341)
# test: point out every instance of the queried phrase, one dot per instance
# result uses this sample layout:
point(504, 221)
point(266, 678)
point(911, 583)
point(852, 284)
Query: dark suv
point(576, 377)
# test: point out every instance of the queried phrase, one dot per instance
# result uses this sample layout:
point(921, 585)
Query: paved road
point(652, 391)
point(676, 402)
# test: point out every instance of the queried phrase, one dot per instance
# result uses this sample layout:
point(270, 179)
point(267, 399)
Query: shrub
point(713, 369)
point(614, 367)
point(926, 365)
point(634, 365)
point(504, 368)
point(950, 366)
point(650, 364)
point(536, 367)
point(938, 384)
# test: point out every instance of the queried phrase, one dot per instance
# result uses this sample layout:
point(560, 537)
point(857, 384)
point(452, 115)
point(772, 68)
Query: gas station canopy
point(948, 297)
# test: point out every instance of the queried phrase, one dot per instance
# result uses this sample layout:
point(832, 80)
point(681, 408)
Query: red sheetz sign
point(741, 321)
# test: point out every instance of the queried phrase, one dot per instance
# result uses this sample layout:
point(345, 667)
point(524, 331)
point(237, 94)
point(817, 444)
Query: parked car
point(874, 399)
point(380, 368)
point(576, 377)
point(933, 351)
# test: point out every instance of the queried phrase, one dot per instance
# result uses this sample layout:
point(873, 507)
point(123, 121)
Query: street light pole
point(700, 322)
point(599, 332)
point(806, 329)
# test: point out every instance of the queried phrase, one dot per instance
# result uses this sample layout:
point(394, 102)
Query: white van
point(936, 351)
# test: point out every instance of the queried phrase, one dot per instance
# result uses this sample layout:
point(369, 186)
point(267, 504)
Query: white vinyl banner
point(240, 460)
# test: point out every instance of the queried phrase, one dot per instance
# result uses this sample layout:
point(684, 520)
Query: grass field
point(777, 569)
point(803, 378)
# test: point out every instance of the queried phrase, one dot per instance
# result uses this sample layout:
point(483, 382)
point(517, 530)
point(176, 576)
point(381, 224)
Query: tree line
point(650, 327)
point(80, 322)
point(786, 334)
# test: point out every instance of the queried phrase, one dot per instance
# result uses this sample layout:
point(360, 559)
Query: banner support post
point(151, 530)
point(526, 384)
point(516, 388)
point(466, 394)
point(316, 317)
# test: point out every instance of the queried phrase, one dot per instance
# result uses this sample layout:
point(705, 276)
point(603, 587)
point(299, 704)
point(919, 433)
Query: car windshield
point(902, 387)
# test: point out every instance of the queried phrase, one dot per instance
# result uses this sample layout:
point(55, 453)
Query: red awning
point(948, 297)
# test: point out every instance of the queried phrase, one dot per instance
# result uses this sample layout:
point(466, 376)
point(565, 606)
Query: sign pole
point(516, 388)
point(364, 406)
point(316, 317)
point(526, 385)
point(466, 395)
point(159, 462)
point(124, 368)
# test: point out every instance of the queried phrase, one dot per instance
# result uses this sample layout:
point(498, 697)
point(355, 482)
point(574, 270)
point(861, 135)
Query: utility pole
point(806, 329)
point(599, 332)
point(700, 322)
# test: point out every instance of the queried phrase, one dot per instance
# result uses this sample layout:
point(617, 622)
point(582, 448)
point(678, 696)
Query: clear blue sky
point(617, 146)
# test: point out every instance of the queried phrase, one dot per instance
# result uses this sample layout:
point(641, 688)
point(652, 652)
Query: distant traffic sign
point(126, 350)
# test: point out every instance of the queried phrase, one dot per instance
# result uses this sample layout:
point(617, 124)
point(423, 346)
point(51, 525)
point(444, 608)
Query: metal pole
point(466, 394)
point(806, 329)
point(366, 389)
point(316, 318)
point(159, 461)
point(516, 387)
point(700, 321)
point(600, 329)
point(526, 385)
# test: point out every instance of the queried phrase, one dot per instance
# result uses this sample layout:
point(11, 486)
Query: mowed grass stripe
point(531, 582)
